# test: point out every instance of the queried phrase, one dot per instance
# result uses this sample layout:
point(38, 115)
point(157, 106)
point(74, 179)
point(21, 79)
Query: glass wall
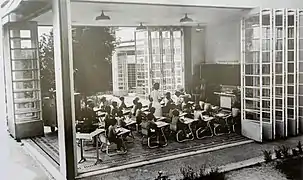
point(159, 56)
point(271, 72)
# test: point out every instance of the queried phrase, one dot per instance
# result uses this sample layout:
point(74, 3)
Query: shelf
point(23, 48)
point(22, 101)
point(26, 120)
point(29, 59)
point(21, 38)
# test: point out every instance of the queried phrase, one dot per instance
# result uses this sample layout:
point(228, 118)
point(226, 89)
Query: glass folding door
point(22, 74)
point(272, 74)
point(300, 71)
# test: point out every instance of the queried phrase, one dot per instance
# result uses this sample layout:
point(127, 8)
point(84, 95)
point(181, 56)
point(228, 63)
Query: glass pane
point(20, 33)
point(253, 45)
point(279, 115)
point(26, 95)
point(279, 44)
point(301, 32)
point(290, 56)
point(266, 117)
point(279, 56)
point(290, 101)
point(279, 20)
point(31, 105)
point(290, 32)
point(252, 116)
point(266, 104)
point(23, 54)
point(266, 93)
point(19, 43)
point(279, 103)
point(252, 69)
point(252, 21)
point(301, 111)
point(279, 91)
point(266, 32)
point(25, 85)
point(24, 75)
point(290, 90)
point(301, 100)
point(279, 80)
point(252, 81)
point(291, 20)
point(266, 81)
point(291, 44)
point(301, 55)
point(301, 44)
point(266, 45)
point(265, 57)
point(279, 68)
point(301, 89)
point(290, 67)
point(301, 78)
point(290, 79)
point(265, 69)
point(24, 64)
point(252, 57)
point(27, 116)
point(252, 93)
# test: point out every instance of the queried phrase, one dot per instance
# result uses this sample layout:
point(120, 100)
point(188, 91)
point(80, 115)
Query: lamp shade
point(141, 27)
point(102, 17)
point(186, 19)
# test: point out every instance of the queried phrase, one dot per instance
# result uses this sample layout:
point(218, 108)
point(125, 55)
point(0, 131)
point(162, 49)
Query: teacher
point(156, 97)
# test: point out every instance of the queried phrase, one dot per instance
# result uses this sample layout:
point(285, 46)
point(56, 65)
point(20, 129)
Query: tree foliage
point(92, 51)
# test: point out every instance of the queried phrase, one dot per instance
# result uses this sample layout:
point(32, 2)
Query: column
point(187, 58)
point(64, 87)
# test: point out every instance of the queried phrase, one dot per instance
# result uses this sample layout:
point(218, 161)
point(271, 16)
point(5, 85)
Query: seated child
point(139, 114)
point(121, 119)
point(122, 104)
point(109, 118)
point(151, 114)
point(115, 109)
point(134, 109)
point(197, 112)
point(113, 138)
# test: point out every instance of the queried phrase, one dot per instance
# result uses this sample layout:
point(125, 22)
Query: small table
point(188, 122)
point(126, 111)
point(90, 136)
point(161, 125)
point(161, 118)
point(123, 132)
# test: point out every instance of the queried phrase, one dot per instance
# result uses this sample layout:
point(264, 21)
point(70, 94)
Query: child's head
point(115, 104)
point(107, 109)
point(120, 114)
point(103, 99)
point(114, 122)
point(168, 95)
point(150, 117)
point(139, 105)
point(197, 107)
point(177, 93)
point(150, 99)
point(175, 113)
point(135, 101)
point(121, 99)
point(152, 110)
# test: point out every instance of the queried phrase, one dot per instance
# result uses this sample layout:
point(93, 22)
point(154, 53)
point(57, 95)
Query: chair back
point(235, 112)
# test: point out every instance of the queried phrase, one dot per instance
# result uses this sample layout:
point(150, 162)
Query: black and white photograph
point(151, 90)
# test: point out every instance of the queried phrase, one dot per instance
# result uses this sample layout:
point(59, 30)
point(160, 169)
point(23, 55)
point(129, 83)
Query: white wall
point(197, 47)
point(224, 3)
point(223, 42)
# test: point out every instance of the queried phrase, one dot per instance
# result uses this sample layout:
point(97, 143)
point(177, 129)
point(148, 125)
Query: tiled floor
point(136, 152)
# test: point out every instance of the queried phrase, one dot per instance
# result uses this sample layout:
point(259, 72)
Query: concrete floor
point(16, 163)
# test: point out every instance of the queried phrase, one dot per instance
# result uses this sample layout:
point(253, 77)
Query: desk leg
point(97, 150)
point(81, 149)
point(191, 131)
point(165, 140)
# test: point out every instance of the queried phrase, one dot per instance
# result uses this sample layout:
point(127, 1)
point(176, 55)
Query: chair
point(148, 134)
point(221, 126)
point(176, 128)
point(204, 131)
point(235, 114)
point(105, 142)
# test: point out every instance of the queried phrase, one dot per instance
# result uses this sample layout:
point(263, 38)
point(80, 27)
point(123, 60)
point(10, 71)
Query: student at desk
point(122, 105)
point(135, 107)
point(177, 99)
point(168, 104)
point(112, 136)
point(121, 119)
point(186, 106)
point(109, 118)
point(151, 114)
point(115, 109)
point(103, 103)
point(139, 113)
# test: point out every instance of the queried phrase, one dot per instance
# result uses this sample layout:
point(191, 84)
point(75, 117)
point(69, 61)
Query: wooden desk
point(161, 125)
point(90, 136)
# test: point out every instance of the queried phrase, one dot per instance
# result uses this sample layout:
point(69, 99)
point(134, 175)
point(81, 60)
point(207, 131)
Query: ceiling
point(84, 14)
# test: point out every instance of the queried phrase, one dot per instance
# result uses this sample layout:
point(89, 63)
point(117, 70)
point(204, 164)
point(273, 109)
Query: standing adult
point(155, 95)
